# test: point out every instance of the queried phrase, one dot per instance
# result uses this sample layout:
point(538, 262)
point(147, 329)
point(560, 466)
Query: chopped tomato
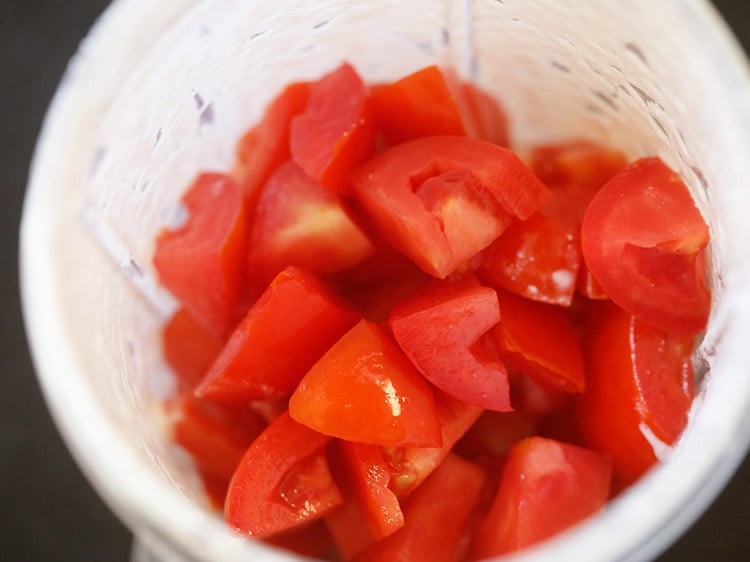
point(282, 481)
point(335, 132)
point(580, 167)
point(416, 105)
point(546, 487)
point(482, 115)
point(299, 222)
point(201, 262)
point(311, 540)
point(540, 341)
point(297, 312)
point(643, 240)
point(439, 328)
point(639, 389)
point(364, 389)
point(189, 347)
point(265, 146)
point(436, 517)
point(423, 194)
point(535, 399)
point(409, 466)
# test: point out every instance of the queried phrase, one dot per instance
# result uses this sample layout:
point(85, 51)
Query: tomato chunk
point(265, 146)
point(417, 105)
point(436, 517)
point(482, 115)
point(336, 131)
point(282, 481)
point(296, 312)
point(189, 348)
point(299, 222)
point(364, 389)
point(643, 239)
point(540, 341)
point(200, 263)
point(439, 328)
point(639, 389)
point(423, 194)
point(546, 487)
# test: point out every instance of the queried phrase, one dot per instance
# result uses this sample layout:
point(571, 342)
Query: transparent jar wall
point(160, 92)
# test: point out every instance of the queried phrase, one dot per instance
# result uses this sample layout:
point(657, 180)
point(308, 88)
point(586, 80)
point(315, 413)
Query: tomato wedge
point(442, 199)
point(281, 482)
point(336, 131)
point(439, 328)
point(364, 389)
point(639, 389)
point(265, 146)
point(296, 312)
point(200, 263)
point(299, 222)
point(546, 487)
point(482, 115)
point(189, 348)
point(643, 240)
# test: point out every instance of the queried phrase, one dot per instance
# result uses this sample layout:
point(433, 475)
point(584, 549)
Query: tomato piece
point(265, 146)
point(581, 167)
point(546, 487)
point(409, 466)
point(423, 194)
point(439, 328)
point(364, 389)
point(417, 105)
point(639, 388)
point(482, 115)
point(200, 262)
point(436, 517)
point(299, 222)
point(643, 239)
point(535, 399)
point(540, 341)
point(297, 312)
point(336, 131)
point(189, 348)
point(311, 540)
point(215, 435)
point(282, 481)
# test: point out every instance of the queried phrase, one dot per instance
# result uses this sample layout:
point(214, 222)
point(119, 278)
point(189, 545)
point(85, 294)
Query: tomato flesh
point(189, 348)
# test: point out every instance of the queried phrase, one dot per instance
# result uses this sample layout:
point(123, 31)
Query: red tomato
point(643, 239)
point(297, 312)
point(282, 481)
point(436, 517)
point(265, 146)
point(639, 389)
point(364, 389)
point(417, 105)
point(423, 194)
point(201, 263)
point(189, 348)
point(438, 329)
point(580, 167)
point(482, 115)
point(546, 487)
point(336, 131)
point(299, 222)
point(540, 341)
point(311, 540)
point(409, 466)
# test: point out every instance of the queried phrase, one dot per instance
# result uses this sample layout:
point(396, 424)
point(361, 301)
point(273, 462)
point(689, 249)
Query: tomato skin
point(439, 327)
point(200, 263)
point(492, 184)
point(482, 115)
point(299, 222)
point(281, 482)
point(447, 500)
point(364, 389)
point(336, 131)
point(643, 239)
point(265, 146)
point(638, 378)
point(189, 348)
point(296, 312)
point(416, 105)
point(540, 341)
point(546, 487)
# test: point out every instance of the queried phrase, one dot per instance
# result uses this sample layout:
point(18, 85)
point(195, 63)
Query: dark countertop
point(48, 512)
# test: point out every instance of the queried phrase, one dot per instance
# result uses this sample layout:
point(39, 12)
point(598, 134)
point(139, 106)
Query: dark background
point(48, 512)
